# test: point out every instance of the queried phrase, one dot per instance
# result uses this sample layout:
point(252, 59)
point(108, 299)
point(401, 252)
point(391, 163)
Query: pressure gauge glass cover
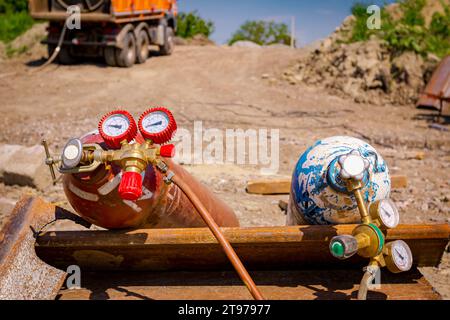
point(116, 127)
point(157, 125)
point(399, 258)
point(386, 212)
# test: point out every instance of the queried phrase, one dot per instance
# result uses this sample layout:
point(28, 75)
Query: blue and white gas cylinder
point(319, 195)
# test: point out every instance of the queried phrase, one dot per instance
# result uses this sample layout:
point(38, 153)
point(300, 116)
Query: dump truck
point(121, 31)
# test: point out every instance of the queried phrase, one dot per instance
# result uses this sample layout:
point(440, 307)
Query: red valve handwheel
point(164, 128)
point(117, 126)
point(167, 151)
point(130, 186)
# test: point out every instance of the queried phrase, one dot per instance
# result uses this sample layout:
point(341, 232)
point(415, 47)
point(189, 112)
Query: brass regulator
point(368, 238)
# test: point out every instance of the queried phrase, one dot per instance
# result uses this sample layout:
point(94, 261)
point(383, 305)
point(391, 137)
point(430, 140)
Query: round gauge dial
point(155, 122)
point(116, 127)
point(399, 257)
point(158, 125)
point(386, 212)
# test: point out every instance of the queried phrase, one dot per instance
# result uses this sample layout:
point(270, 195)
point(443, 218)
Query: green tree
point(262, 32)
point(412, 12)
point(14, 19)
point(409, 33)
point(190, 24)
point(13, 6)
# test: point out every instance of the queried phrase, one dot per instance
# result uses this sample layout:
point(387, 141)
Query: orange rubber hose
point(229, 251)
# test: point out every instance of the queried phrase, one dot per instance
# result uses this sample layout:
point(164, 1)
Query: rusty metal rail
point(22, 274)
point(270, 248)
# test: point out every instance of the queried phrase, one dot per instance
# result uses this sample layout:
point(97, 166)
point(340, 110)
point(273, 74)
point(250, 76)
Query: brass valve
point(367, 239)
point(132, 158)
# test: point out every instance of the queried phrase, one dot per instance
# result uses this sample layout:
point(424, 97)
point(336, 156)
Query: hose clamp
point(168, 177)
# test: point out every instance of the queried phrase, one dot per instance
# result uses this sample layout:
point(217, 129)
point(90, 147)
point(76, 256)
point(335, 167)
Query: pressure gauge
point(157, 125)
point(386, 212)
point(399, 257)
point(116, 127)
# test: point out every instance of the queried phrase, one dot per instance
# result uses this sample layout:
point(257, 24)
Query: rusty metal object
point(268, 248)
point(276, 285)
point(95, 197)
point(23, 275)
point(437, 91)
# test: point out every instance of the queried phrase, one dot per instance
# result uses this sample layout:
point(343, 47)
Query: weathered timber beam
point(283, 186)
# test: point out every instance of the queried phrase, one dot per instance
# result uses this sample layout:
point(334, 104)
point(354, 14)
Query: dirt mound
point(366, 71)
point(197, 40)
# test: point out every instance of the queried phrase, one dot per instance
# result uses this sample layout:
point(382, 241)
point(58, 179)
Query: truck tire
point(110, 56)
point(64, 56)
point(167, 48)
point(142, 50)
point(126, 56)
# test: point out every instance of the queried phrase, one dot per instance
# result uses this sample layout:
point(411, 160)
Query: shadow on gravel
point(94, 61)
point(433, 118)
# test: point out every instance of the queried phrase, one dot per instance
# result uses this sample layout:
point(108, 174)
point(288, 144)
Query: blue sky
point(315, 19)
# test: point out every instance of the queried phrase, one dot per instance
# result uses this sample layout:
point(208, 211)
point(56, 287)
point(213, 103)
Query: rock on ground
point(245, 44)
point(24, 166)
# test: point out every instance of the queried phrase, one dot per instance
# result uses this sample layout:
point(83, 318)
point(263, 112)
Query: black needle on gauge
point(399, 254)
point(154, 124)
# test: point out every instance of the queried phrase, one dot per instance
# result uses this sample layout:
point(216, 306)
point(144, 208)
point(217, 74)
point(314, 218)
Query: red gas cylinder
point(95, 196)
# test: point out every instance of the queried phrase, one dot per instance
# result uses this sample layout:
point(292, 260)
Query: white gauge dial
point(388, 213)
point(116, 125)
point(155, 122)
point(400, 255)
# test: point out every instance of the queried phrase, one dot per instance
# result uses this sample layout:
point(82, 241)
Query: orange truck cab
point(120, 31)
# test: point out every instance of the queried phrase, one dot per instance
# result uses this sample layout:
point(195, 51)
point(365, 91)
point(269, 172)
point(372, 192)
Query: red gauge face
point(116, 127)
point(158, 125)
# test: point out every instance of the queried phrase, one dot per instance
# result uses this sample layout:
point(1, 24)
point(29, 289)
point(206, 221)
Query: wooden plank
point(274, 284)
point(269, 186)
point(283, 186)
point(399, 182)
point(196, 249)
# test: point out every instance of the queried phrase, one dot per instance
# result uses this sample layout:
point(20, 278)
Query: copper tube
point(228, 249)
